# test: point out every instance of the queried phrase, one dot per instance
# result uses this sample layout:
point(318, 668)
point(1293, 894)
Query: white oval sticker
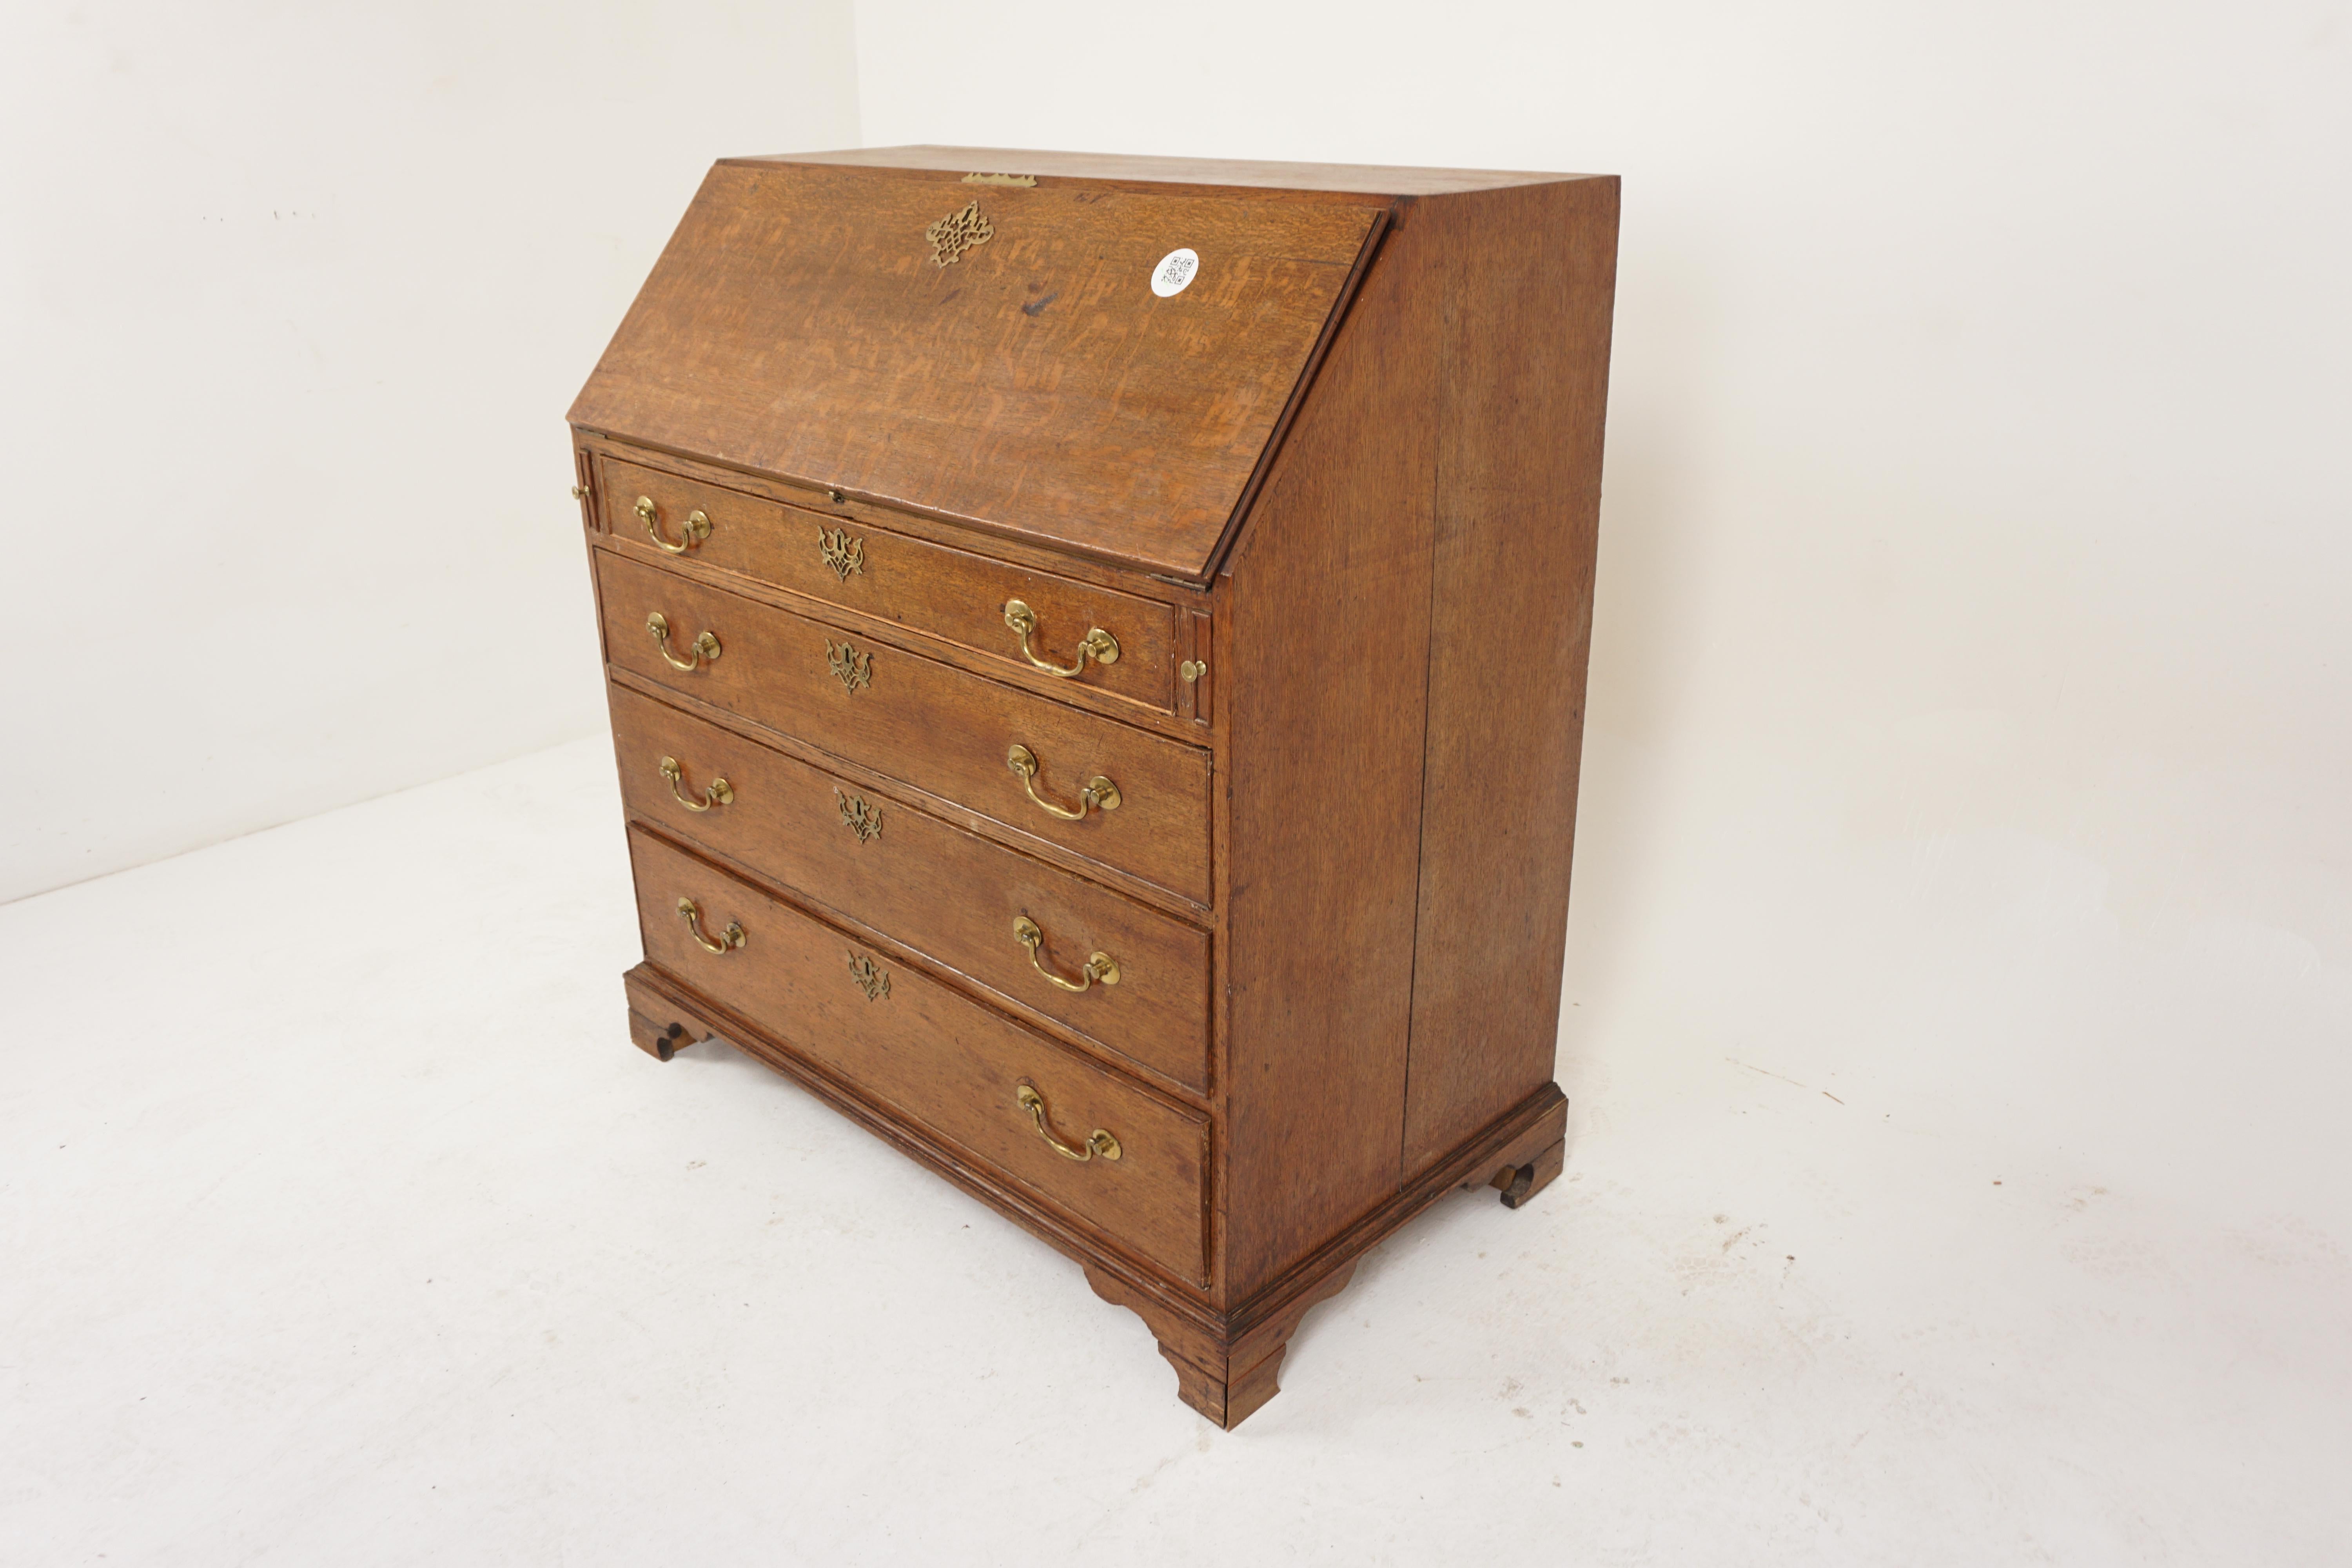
point(1174, 273)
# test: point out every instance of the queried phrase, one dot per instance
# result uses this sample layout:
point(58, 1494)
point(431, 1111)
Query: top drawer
point(1128, 643)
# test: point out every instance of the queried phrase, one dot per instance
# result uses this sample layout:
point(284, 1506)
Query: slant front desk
point(1098, 650)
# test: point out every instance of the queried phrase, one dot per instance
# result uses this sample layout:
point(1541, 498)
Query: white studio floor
point(340, 1223)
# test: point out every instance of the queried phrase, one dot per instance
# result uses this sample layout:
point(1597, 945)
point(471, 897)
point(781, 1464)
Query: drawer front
point(938, 728)
point(945, 1063)
point(942, 891)
point(948, 594)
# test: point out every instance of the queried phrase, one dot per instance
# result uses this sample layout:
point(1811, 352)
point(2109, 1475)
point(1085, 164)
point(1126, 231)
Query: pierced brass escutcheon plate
point(957, 233)
point(871, 977)
point(851, 667)
point(839, 550)
point(858, 814)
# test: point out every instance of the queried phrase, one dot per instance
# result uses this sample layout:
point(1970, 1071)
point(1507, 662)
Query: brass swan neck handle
point(1097, 644)
point(1100, 793)
point(1098, 1142)
point(703, 651)
point(719, 792)
point(728, 940)
point(1100, 966)
point(697, 526)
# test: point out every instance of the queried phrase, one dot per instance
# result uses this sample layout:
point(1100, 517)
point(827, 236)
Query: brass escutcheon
point(858, 814)
point(850, 667)
point(871, 978)
point(1098, 1142)
point(1099, 793)
point(705, 648)
point(957, 233)
point(1098, 645)
point(1100, 966)
point(728, 940)
point(840, 552)
point(719, 792)
point(697, 526)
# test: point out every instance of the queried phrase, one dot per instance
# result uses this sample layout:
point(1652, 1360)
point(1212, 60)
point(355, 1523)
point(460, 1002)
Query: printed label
point(1175, 274)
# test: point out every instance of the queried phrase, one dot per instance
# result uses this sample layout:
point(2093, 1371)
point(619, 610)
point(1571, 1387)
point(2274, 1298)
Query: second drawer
point(945, 892)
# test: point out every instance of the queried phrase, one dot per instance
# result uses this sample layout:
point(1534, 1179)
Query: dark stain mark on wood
point(1038, 306)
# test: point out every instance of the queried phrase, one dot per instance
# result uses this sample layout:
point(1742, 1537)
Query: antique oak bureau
point(1096, 651)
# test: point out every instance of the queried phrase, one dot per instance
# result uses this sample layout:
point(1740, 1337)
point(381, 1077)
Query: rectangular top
point(1355, 179)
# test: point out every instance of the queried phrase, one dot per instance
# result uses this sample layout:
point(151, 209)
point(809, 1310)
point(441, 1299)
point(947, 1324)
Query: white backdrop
point(1971, 714)
point(292, 301)
point(1971, 706)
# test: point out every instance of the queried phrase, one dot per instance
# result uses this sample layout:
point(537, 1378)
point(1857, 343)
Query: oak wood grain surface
point(1328, 603)
point(1342, 497)
point(950, 895)
point(921, 720)
point(800, 324)
point(953, 595)
point(945, 1062)
point(1529, 274)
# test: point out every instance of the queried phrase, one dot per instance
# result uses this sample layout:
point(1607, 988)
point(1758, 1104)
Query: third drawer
point(947, 894)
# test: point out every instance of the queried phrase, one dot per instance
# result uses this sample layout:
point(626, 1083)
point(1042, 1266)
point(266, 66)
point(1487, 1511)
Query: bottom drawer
point(935, 1058)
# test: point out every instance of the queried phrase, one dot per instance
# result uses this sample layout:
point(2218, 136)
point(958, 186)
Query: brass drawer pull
point(698, 526)
point(1098, 646)
point(1100, 791)
point(705, 648)
point(1098, 1142)
point(1100, 966)
point(728, 940)
point(718, 792)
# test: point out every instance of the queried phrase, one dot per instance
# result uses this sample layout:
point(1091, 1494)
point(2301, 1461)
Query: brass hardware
point(1098, 645)
point(698, 526)
point(1098, 1142)
point(705, 647)
point(718, 792)
point(858, 815)
point(1191, 670)
point(732, 937)
point(1100, 966)
point(851, 668)
point(1100, 793)
point(840, 552)
point(957, 233)
point(1022, 180)
point(836, 498)
point(871, 979)
point(580, 492)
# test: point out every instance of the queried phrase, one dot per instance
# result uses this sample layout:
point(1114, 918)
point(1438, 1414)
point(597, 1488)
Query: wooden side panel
point(1326, 625)
point(1531, 278)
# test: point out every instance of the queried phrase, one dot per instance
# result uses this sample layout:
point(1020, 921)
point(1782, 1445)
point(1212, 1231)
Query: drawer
point(947, 893)
point(932, 1056)
point(938, 728)
point(948, 594)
